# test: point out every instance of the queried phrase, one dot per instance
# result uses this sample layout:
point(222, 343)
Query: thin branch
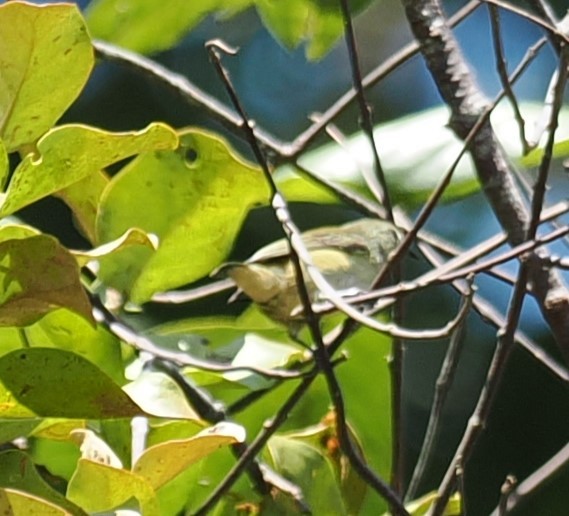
point(544, 24)
point(442, 389)
point(505, 341)
point(522, 492)
point(141, 343)
point(502, 67)
point(300, 257)
point(256, 446)
point(376, 184)
point(460, 92)
point(214, 412)
point(188, 91)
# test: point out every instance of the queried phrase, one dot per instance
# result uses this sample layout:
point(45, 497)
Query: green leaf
point(146, 26)
point(533, 159)
point(38, 275)
point(83, 198)
point(194, 199)
point(415, 152)
point(365, 380)
point(17, 502)
point(65, 330)
point(58, 429)
point(161, 463)
point(160, 396)
point(12, 429)
point(323, 436)
point(4, 169)
point(317, 23)
point(97, 487)
point(45, 60)
point(307, 467)
point(69, 153)
point(132, 237)
point(19, 472)
point(421, 506)
point(54, 383)
point(151, 25)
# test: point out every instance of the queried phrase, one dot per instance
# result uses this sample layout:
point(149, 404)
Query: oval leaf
point(37, 275)
point(45, 60)
point(54, 383)
point(161, 463)
point(97, 487)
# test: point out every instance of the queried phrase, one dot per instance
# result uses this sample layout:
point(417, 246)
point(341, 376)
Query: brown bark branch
point(459, 90)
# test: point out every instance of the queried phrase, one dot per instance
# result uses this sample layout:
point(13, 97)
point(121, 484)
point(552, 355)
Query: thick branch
point(459, 90)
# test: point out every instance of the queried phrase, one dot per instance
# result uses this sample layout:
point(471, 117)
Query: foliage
point(71, 385)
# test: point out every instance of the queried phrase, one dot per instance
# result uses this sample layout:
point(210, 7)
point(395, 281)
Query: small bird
point(348, 256)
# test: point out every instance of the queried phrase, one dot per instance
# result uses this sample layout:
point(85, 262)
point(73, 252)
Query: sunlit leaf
point(57, 429)
point(316, 23)
point(310, 469)
point(194, 199)
point(69, 153)
point(160, 396)
point(162, 462)
point(415, 152)
point(93, 448)
point(150, 25)
point(38, 275)
point(4, 170)
point(18, 472)
point(17, 502)
point(65, 330)
point(421, 506)
point(39, 47)
point(132, 237)
point(55, 383)
point(97, 487)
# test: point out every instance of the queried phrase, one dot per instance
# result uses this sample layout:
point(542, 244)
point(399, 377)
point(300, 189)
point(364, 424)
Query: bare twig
point(442, 388)
point(505, 337)
point(256, 446)
point(141, 343)
point(520, 493)
point(300, 257)
point(503, 74)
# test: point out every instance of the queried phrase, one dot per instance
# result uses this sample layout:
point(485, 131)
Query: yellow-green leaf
point(69, 153)
point(54, 383)
point(38, 275)
point(35, 496)
point(161, 463)
point(83, 198)
point(18, 502)
point(132, 237)
point(97, 487)
point(45, 60)
point(4, 170)
point(194, 199)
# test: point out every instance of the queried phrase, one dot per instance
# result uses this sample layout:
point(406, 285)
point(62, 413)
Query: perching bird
point(348, 256)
